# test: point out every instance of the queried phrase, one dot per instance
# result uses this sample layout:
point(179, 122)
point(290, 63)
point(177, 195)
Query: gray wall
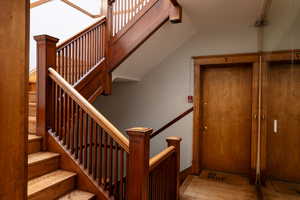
point(162, 94)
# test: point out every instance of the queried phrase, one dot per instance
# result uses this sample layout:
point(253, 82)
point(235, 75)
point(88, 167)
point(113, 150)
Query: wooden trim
point(226, 59)
point(182, 115)
point(196, 121)
point(255, 113)
point(263, 142)
point(38, 3)
point(90, 110)
point(159, 158)
point(284, 55)
point(80, 9)
point(66, 42)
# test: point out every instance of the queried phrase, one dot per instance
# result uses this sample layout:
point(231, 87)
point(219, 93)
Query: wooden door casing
point(282, 97)
point(226, 103)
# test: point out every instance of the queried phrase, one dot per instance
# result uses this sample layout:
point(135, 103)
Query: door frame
point(284, 56)
point(199, 61)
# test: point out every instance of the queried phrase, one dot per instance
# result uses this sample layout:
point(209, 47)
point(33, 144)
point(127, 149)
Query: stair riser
point(54, 191)
point(32, 110)
point(32, 97)
point(34, 146)
point(32, 126)
point(43, 167)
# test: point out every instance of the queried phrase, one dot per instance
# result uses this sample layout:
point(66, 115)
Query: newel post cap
point(136, 131)
point(173, 138)
point(45, 38)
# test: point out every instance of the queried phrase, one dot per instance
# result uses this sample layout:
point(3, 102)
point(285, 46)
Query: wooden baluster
point(77, 121)
point(67, 121)
point(57, 110)
point(175, 141)
point(111, 156)
point(96, 145)
point(121, 174)
point(72, 63)
point(64, 119)
point(85, 135)
point(72, 131)
point(90, 149)
point(105, 160)
point(81, 133)
point(101, 165)
point(138, 163)
point(46, 58)
point(116, 169)
point(80, 56)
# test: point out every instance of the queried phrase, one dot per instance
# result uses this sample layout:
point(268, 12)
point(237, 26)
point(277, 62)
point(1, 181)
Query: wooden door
point(226, 124)
point(283, 106)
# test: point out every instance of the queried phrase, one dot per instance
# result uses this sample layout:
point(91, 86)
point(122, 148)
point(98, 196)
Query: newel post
point(138, 163)
point(46, 58)
point(107, 11)
point(175, 141)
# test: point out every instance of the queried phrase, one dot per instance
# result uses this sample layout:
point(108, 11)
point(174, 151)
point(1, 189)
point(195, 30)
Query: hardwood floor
point(279, 190)
point(211, 185)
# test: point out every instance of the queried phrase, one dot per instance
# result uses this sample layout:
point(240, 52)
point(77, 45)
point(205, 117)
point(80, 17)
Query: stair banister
point(46, 57)
point(90, 110)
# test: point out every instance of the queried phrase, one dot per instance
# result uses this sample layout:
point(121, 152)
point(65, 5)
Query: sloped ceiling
point(198, 16)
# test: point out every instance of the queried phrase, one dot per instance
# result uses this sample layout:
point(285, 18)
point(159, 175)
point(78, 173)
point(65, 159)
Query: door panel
point(227, 109)
point(283, 101)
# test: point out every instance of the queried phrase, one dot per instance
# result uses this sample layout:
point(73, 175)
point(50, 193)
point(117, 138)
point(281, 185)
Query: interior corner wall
point(162, 94)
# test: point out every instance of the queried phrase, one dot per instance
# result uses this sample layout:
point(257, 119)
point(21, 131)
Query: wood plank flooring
point(211, 185)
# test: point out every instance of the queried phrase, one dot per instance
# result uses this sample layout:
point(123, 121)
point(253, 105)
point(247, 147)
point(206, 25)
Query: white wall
point(162, 94)
point(283, 29)
point(58, 20)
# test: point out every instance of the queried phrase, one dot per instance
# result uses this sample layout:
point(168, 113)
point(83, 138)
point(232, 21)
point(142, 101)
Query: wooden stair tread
point(41, 156)
point(32, 137)
point(77, 195)
point(46, 181)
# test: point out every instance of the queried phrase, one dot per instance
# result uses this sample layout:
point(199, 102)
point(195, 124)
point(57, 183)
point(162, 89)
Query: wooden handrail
point(38, 3)
point(159, 158)
point(90, 110)
point(66, 42)
point(171, 122)
point(80, 9)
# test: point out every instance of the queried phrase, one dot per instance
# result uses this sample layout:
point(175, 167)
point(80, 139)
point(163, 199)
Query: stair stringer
point(67, 162)
point(128, 40)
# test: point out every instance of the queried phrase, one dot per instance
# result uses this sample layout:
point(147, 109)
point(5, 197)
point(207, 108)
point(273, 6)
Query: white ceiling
point(198, 16)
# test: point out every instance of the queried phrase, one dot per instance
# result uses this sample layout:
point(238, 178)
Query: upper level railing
point(79, 54)
point(124, 11)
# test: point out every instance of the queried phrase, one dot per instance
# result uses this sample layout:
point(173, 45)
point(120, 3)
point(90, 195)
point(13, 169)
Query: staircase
point(46, 180)
point(72, 147)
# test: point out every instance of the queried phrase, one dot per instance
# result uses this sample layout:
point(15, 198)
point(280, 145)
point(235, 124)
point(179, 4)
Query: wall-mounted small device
point(275, 126)
point(190, 99)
